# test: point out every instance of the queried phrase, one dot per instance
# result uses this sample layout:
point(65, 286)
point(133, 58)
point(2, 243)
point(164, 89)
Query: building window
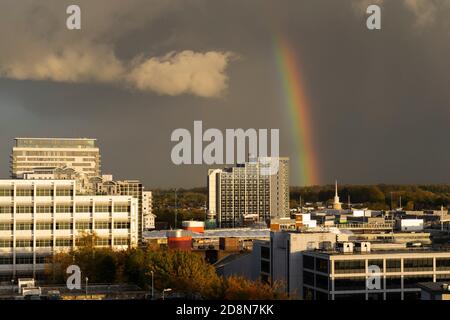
point(24, 209)
point(6, 209)
point(354, 283)
point(121, 208)
point(102, 225)
point(393, 265)
point(44, 226)
point(6, 260)
point(63, 242)
point(84, 208)
point(308, 262)
point(5, 243)
point(6, 192)
point(308, 278)
point(63, 225)
point(442, 264)
point(121, 225)
point(378, 263)
point(350, 266)
point(121, 241)
point(322, 265)
point(265, 253)
point(442, 277)
point(24, 260)
point(64, 192)
point(418, 264)
point(83, 225)
point(41, 259)
point(44, 192)
point(265, 266)
point(322, 281)
point(24, 192)
point(24, 243)
point(6, 226)
point(44, 209)
point(44, 243)
point(102, 242)
point(102, 208)
point(63, 208)
point(24, 226)
point(393, 282)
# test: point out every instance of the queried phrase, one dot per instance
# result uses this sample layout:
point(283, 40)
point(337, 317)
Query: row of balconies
point(67, 232)
point(64, 215)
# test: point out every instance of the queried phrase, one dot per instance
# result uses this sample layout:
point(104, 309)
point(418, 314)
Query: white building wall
point(35, 221)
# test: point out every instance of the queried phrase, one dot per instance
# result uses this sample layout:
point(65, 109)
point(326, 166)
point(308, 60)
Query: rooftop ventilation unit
point(345, 247)
point(363, 246)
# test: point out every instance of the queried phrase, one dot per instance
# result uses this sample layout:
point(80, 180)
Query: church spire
point(335, 188)
point(336, 204)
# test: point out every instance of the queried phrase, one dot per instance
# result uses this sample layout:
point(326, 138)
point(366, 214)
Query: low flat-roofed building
point(434, 291)
point(320, 265)
point(338, 275)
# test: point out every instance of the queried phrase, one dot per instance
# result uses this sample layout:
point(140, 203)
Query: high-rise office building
point(29, 154)
point(249, 190)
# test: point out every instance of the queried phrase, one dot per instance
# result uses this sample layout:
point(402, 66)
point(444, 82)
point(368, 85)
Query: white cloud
point(201, 74)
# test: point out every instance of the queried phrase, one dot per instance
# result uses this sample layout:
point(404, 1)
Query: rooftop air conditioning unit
point(365, 246)
point(345, 247)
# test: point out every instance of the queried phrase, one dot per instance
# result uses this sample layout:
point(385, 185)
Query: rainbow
point(295, 100)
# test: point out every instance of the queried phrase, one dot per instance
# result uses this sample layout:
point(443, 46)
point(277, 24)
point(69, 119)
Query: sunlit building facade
point(41, 217)
point(29, 154)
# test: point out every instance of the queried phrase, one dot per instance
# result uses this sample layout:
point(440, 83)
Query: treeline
point(381, 196)
point(186, 273)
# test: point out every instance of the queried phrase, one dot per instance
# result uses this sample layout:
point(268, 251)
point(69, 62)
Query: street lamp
point(153, 293)
point(164, 291)
point(87, 279)
point(176, 208)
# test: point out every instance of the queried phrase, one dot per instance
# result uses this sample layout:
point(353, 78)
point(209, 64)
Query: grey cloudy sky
point(138, 69)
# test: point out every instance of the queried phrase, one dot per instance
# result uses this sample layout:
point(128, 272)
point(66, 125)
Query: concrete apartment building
point(41, 217)
point(246, 190)
point(80, 154)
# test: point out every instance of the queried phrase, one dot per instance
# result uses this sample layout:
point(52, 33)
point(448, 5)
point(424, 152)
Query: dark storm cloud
point(379, 99)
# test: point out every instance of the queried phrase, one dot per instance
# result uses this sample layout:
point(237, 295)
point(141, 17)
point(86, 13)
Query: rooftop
point(424, 250)
point(54, 142)
point(435, 287)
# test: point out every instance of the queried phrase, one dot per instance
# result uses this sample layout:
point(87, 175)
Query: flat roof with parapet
point(334, 252)
point(54, 142)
